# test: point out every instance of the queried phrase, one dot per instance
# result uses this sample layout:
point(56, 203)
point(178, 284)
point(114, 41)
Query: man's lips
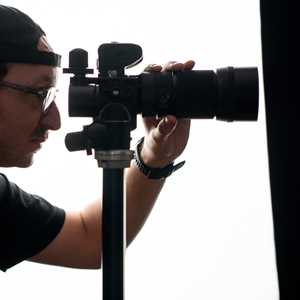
point(40, 139)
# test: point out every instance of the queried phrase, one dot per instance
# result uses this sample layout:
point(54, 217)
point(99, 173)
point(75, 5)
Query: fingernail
point(167, 125)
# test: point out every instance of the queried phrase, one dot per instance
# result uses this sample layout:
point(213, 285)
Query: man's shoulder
point(3, 178)
point(3, 185)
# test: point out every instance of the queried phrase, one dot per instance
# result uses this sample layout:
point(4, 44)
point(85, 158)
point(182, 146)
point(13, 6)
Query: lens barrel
point(238, 94)
point(230, 94)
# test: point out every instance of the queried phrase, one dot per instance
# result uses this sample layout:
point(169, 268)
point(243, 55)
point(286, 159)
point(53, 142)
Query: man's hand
point(166, 138)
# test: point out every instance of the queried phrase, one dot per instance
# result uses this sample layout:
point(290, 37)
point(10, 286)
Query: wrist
point(151, 159)
point(161, 170)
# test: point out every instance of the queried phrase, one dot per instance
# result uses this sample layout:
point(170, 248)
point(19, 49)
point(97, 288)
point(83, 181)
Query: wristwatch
point(153, 173)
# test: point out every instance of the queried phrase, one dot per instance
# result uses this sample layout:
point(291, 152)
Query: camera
point(229, 94)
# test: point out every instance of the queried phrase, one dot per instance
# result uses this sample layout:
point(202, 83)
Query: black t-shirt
point(28, 223)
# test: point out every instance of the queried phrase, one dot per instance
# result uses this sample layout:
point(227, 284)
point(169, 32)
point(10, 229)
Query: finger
point(153, 68)
point(172, 66)
point(189, 65)
point(164, 128)
point(183, 124)
point(177, 66)
point(151, 122)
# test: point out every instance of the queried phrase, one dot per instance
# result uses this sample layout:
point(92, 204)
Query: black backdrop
point(283, 176)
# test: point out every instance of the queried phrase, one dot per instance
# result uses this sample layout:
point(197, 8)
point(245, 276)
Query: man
point(30, 227)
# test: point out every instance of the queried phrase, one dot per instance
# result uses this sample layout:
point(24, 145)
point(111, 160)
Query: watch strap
point(153, 173)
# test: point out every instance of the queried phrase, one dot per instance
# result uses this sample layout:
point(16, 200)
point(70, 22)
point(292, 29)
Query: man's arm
point(78, 244)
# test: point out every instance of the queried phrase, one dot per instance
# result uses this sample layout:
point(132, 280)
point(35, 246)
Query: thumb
point(164, 128)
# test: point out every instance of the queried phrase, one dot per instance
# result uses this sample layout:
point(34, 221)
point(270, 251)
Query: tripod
point(114, 219)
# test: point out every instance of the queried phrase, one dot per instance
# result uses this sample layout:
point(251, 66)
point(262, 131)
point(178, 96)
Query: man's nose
point(51, 118)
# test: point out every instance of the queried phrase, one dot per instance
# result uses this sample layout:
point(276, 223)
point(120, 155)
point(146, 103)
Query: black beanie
point(19, 37)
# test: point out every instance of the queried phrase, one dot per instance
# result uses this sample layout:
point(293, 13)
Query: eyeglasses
point(46, 95)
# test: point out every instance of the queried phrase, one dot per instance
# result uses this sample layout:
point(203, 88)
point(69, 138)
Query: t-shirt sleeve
point(28, 223)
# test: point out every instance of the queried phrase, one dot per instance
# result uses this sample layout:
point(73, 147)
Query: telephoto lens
point(230, 94)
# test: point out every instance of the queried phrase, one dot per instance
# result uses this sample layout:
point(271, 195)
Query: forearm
point(141, 196)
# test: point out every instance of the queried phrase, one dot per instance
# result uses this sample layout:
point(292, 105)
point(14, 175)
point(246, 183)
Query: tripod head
point(113, 119)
